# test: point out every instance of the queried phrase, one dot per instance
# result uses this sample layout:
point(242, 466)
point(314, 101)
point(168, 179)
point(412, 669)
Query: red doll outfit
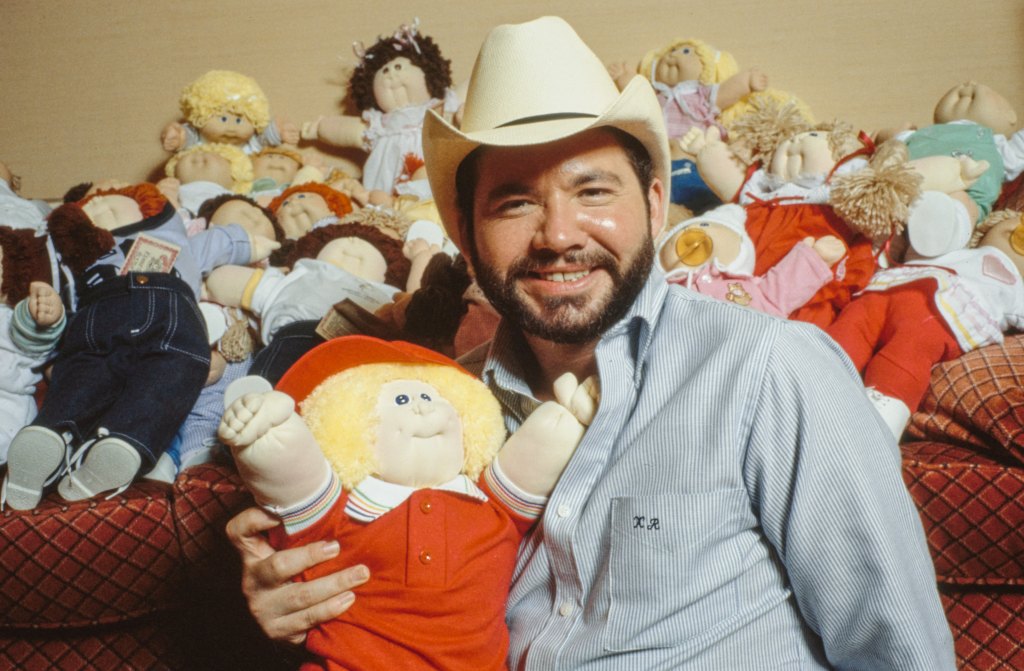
point(914, 316)
point(779, 217)
point(441, 562)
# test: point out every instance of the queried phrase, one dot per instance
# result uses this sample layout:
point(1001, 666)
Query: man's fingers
point(296, 607)
point(245, 531)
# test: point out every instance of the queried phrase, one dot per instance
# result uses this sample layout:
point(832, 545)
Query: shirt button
point(565, 610)
point(425, 557)
point(564, 510)
point(426, 507)
point(142, 279)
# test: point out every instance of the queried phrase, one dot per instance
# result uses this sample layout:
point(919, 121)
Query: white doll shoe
point(937, 224)
point(109, 463)
point(894, 412)
point(33, 462)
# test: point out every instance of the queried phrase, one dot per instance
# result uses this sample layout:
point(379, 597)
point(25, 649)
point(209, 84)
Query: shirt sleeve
point(794, 280)
point(31, 339)
point(220, 245)
point(825, 473)
point(1012, 151)
point(524, 508)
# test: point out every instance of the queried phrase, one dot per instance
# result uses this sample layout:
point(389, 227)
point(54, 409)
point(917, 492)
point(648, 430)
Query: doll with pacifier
point(713, 255)
point(400, 455)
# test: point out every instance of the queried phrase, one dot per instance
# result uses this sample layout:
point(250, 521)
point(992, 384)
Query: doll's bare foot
point(937, 224)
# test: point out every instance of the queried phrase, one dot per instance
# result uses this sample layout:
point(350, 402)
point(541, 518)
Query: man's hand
point(44, 305)
point(287, 610)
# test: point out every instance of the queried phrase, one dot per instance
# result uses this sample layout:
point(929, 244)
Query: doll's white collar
point(373, 497)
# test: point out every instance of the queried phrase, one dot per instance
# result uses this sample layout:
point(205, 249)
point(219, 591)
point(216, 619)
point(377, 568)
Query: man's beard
point(567, 320)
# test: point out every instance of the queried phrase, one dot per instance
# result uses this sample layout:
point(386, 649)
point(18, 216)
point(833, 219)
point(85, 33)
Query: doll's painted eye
point(398, 66)
point(401, 399)
point(224, 118)
point(238, 119)
point(425, 397)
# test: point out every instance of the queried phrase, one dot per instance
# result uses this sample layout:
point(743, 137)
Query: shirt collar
point(509, 354)
point(373, 497)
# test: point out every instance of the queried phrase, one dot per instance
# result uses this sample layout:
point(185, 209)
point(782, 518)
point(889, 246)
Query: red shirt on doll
point(440, 562)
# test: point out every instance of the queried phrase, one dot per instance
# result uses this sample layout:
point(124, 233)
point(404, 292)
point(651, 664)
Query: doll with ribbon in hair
point(227, 107)
point(397, 80)
point(135, 354)
point(401, 455)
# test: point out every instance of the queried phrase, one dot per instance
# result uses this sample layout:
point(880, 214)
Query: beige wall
point(88, 84)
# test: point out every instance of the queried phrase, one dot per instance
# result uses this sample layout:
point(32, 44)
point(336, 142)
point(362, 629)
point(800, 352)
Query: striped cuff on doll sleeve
point(510, 495)
point(306, 513)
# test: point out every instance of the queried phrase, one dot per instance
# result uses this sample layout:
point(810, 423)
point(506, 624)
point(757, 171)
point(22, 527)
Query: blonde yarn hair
point(341, 413)
point(241, 164)
point(219, 91)
point(717, 65)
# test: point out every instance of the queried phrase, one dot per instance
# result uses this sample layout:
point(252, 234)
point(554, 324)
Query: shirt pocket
point(673, 565)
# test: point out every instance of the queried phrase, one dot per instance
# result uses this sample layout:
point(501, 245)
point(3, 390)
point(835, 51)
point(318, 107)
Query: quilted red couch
point(148, 580)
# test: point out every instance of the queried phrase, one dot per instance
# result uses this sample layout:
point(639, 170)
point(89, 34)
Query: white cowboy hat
point(534, 83)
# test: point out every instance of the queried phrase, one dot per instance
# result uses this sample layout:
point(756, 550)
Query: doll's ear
point(77, 240)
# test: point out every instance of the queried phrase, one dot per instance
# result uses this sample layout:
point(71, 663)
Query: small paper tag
point(334, 325)
point(150, 255)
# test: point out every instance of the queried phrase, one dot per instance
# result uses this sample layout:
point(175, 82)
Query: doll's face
point(300, 211)
point(696, 245)
point(357, 256)
point(112, 211)
point(204, 166)
point(1008, 237)
point(246, 215)
point(980, 104)
point(399, 84)
point(803, 154)
point(679, 65)
point(419, 435)
point(278, 167)
point(228, 128)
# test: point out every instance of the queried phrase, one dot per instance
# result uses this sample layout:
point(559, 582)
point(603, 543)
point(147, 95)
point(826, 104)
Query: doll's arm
point(534, 457)
point(173, 136)
point(44, 304)
point(829, 248)
point(288, 130)
point(261, 247)
point(720, 169)
point(277, 456)
point(621, 73)
point(419, 252)
point(229, 285)
point(336, 129)
point(948, 174)
point(741, 84)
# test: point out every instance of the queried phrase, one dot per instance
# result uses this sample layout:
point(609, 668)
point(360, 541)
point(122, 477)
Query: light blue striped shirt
point(736, 504)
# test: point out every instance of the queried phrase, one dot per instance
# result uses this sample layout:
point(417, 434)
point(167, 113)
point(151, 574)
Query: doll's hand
point(288, 131)
point(621, 73)
point(419, 248)
point(261, 247)
point(250, 417)
point(44, 304)
point(697, 139)
point(829, 248)
point(758, 80)
point(579, 399)
point(170, 187)
point(310, 129)
point(173, 136)
point(536, 454)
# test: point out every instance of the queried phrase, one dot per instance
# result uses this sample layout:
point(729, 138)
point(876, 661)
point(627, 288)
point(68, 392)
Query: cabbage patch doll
point(222, 106)
point(713, 255)
point(394, 452)
point(397, 80)
point(134, 354)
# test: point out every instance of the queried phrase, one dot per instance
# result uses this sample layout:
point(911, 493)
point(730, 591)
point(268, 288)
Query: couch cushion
point(977, 401)
point(972, 508)
point(89, 562)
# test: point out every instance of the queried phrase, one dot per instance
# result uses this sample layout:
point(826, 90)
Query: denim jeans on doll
point(289, 344)
point(133, 361)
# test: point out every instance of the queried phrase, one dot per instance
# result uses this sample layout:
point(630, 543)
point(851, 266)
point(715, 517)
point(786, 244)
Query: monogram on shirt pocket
point(673, 564)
